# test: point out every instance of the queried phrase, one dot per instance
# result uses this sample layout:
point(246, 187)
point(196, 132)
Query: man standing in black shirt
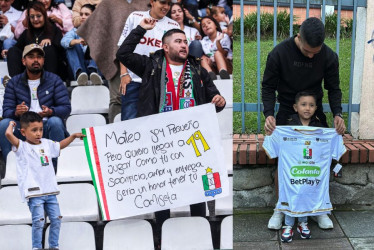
point(300, 63)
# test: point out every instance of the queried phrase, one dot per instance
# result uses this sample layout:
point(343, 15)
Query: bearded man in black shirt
point(297, 64)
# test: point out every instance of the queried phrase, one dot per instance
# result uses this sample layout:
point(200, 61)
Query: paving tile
point(341, 244)
point(253, 227)
point(356, 223)
point(258, 245)
point(362, 243)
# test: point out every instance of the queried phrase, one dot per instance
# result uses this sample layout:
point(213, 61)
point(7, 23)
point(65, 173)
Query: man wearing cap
point(35, 90)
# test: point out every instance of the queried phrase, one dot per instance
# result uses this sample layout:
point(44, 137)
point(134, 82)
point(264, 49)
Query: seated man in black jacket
point(297, 64)
point(171, 80)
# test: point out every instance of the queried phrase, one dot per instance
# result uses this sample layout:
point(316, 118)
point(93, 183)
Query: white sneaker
point(82, 79)
point(96, 79)
point(324, 222)
point(276, 220)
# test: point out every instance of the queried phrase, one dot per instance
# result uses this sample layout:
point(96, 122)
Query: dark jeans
point(129, 106)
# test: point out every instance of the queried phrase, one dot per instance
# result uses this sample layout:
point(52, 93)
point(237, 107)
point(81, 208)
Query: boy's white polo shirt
point(304, 159)
point(35, 172)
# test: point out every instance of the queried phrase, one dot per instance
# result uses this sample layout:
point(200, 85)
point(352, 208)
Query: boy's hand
point(12, 124)
point(79, 135)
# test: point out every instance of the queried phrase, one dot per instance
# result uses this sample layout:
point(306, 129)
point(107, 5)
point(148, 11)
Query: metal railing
point(258, 107)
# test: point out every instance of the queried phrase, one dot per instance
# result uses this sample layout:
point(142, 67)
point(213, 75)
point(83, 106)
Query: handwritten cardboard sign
point(157, 162)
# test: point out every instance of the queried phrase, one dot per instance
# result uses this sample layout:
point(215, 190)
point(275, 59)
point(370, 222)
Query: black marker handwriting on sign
point(119, 167)
point(129, 179)
point(155, 133)
point(174, 129)
point(162, 147)
point(154, 200)
point(120, 139)
point(124, 192)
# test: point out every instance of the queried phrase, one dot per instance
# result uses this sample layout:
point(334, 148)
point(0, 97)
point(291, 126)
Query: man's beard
point(176, 58)
point(35, 71)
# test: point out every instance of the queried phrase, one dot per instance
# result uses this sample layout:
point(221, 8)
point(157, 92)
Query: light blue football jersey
point(304, 158)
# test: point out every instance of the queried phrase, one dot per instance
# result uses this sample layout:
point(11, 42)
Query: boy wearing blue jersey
point(305, 106)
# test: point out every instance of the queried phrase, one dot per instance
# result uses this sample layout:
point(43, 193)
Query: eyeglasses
point(35, 16)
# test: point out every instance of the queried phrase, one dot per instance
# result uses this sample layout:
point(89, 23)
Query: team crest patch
point(186, 103)
point(212, 183)
point(43, 158)
point(168, 102)
point(307, 153)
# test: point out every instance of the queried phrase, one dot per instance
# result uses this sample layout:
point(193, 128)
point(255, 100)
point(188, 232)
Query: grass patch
point(250, 78)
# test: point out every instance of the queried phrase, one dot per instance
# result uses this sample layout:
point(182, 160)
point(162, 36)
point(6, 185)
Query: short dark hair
point(170, 33)
point(29, 117)
point(312, 31)
point(305, 93)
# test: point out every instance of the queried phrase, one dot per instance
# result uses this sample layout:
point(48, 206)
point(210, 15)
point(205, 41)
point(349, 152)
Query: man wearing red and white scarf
point(171, 80)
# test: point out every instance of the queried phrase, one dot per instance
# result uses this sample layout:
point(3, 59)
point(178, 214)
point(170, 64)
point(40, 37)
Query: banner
point(157, 162)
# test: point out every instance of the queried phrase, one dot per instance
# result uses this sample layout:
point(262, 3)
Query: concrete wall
point(254, 186)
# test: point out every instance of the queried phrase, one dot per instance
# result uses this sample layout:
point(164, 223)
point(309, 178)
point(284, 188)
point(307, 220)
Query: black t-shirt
point(288, 72)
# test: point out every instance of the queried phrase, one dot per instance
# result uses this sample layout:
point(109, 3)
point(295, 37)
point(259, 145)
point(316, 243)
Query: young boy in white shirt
point(36, 177)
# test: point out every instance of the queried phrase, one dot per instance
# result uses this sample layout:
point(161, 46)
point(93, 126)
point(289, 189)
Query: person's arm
point(20, 27)
point(10, 136)
point(223, 45)
point(125, 54)
point(331, 84)
point(76, 13)
point(269, 86)
point(66, 18)
point(66, 142)
point(67, 40)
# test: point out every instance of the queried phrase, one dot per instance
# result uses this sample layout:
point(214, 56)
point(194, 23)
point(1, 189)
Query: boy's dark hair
point(305, 93)
point(312, 31)
point(29, 117)
point(89, 6)
point(170, 33)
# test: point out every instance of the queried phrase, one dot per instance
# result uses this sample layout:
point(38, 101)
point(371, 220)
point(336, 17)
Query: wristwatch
point(339, 114)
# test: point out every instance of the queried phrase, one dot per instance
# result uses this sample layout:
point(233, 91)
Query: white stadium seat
point(12, 209)
point(225, 89)
point(75, 123)
point(72, 165)
point(11, 170)
point(224, 205)
point(186, 233)
point(227, 150)
point(128, 234)
point(225, 120)
point(15, 237)
point(78, 202)
point(90, 99)
point(74, 235)
point(227, 233)
point(117, 118)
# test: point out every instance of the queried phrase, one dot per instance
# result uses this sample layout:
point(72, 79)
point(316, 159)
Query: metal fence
point(258, 107)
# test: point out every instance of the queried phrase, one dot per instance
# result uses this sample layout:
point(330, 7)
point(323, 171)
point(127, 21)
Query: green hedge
point(283, 26)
